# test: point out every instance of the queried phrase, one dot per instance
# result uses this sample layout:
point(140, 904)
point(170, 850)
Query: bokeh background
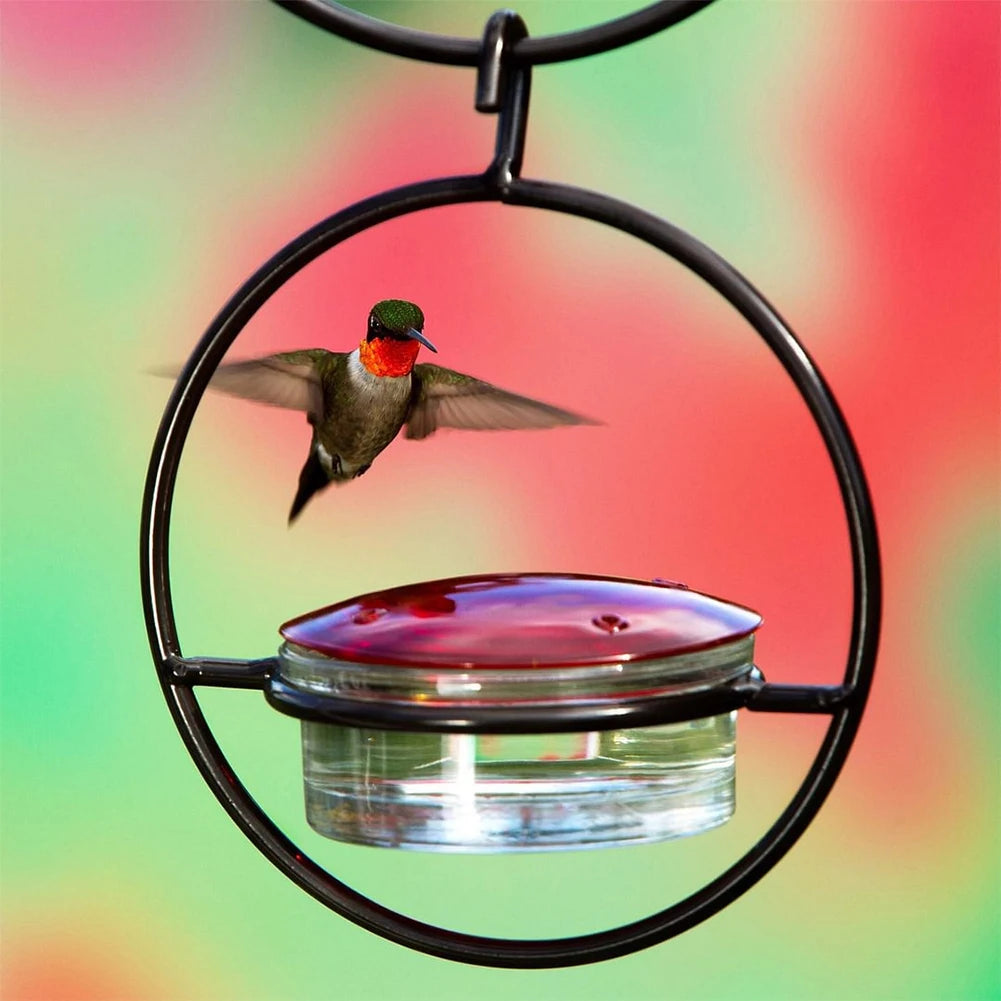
point(844, 156)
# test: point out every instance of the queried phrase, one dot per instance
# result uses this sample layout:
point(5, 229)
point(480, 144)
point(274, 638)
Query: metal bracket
point(503, 87)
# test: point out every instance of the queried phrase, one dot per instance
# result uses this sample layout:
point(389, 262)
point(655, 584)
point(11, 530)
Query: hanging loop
point(445, 49)
point(503, 29)
point(503, 87)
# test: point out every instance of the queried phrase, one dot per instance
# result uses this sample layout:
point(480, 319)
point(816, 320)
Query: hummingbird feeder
point(510, 649)
point(511, 712)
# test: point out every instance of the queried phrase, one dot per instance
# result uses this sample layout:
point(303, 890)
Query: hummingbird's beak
point(418, 336)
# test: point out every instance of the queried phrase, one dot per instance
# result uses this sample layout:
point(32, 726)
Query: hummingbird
point(358, 401)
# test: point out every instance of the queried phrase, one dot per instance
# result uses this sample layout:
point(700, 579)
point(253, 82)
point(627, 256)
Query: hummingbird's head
point(398, 320)
point(393, 338)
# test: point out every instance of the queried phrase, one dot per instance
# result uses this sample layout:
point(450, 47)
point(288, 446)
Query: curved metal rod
point(725, 279)
point(504, 87)
point(264, 675)
point(567, 718)
point(429, 47)
point(201, 744)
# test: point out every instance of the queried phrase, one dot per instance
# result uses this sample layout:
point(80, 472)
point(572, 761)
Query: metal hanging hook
point(503, 87)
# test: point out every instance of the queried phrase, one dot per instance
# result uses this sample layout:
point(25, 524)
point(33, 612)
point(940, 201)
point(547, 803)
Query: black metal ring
point(564, 718)
point(259, 828)
point(747, 692)
point(400, 41)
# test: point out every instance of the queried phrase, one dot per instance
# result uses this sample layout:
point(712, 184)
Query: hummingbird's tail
point(312, 479)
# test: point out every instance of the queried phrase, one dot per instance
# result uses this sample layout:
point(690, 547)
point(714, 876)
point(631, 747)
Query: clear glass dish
point(519, 640)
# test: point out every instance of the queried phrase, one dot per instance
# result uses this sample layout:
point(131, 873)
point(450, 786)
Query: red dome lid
point(521, 620)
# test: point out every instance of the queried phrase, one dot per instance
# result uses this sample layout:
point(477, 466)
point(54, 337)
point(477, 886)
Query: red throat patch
point(385, 356)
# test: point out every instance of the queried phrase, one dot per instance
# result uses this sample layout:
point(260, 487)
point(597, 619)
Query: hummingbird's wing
point(445, 399)
point(290, 380)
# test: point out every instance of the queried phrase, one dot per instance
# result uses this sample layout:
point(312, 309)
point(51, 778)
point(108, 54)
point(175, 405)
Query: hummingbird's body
point(357, 402)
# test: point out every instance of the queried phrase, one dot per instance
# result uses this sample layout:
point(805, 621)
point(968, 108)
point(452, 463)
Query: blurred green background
point(844, 156)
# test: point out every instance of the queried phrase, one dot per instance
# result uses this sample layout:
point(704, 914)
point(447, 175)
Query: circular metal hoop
point(432, 48)
point(201, 744)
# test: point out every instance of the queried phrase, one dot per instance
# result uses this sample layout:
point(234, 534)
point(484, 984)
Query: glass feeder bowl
point(508, 641)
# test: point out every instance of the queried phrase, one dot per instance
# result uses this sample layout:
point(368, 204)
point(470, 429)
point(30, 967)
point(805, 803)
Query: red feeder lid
point(522, 620)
